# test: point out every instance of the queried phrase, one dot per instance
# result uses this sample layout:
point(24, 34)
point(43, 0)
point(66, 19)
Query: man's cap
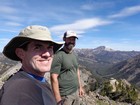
point(34, 32)
point(68, 34)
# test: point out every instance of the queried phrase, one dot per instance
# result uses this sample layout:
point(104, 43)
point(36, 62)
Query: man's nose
point(47, 52)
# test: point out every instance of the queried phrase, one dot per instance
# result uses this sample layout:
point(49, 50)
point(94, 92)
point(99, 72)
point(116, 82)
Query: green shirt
point(66, 65)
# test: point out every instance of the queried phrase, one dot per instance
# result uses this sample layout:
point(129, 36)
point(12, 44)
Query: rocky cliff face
point(5, 63)
point(100, 59)
point(90, 97)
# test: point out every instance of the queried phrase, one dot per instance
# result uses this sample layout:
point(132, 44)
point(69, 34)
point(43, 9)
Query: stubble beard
point(70, 47)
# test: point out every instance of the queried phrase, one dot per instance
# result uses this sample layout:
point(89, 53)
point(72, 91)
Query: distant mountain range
point(128, 69)
point(101, 61)
point(104, 61)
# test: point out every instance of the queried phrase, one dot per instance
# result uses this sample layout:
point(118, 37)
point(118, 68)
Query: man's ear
point(64, 38)
point(20, 53)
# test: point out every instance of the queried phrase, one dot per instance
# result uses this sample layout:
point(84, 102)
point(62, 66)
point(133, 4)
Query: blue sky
point(111, 23)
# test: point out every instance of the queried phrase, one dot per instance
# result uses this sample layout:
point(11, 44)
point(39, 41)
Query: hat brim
point(72, 36)
point(9, 49)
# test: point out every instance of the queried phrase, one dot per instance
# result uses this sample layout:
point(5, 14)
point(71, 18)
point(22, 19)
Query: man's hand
point(81, 92)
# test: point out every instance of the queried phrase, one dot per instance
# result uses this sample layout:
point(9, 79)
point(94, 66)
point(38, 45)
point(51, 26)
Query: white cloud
point(7, 9)
point(81, 24)
point(9, 16)
point(6, 30)
point(127, 12)
point(13, 17)
point(12, 24)
point(87, 7)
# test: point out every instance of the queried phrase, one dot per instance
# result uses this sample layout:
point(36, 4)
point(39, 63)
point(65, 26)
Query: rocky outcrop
point(120, 91)
point(128, 69)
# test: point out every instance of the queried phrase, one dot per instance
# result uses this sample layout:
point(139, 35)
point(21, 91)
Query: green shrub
point(123, 93)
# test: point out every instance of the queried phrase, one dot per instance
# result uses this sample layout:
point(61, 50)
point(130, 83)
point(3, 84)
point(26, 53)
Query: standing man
point(65, 74)
point(34, 48)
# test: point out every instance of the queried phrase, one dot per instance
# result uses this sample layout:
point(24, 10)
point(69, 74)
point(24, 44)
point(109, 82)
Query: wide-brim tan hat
point(35, 32)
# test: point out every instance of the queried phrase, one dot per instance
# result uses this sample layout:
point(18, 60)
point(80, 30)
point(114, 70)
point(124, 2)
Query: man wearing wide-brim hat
point(34, 48)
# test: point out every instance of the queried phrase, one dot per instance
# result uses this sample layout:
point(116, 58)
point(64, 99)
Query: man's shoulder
point(60, 52)
point(18, 78)
point(19, 81)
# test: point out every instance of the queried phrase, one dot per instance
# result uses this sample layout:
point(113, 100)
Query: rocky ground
point(90, 98)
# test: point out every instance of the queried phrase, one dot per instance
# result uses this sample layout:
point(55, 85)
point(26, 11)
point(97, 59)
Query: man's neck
point(67, 50)
point(32, 71)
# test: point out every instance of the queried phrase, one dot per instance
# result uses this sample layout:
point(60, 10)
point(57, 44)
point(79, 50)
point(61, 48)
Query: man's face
point(70, 43)
point(38, 57)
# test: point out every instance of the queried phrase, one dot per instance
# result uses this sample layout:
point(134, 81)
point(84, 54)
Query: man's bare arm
point(81, 91)
point(55, 87)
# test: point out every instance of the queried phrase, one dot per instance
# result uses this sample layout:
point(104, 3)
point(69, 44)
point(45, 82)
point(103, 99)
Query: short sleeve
point(56, 64)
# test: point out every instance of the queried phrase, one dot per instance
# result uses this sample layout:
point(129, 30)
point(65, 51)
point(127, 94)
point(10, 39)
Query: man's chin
point(44, 69)
point(70, 47)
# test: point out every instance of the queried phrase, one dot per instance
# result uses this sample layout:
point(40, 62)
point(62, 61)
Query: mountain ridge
point(93, 63)
point(99, 59)
point(128, 69)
